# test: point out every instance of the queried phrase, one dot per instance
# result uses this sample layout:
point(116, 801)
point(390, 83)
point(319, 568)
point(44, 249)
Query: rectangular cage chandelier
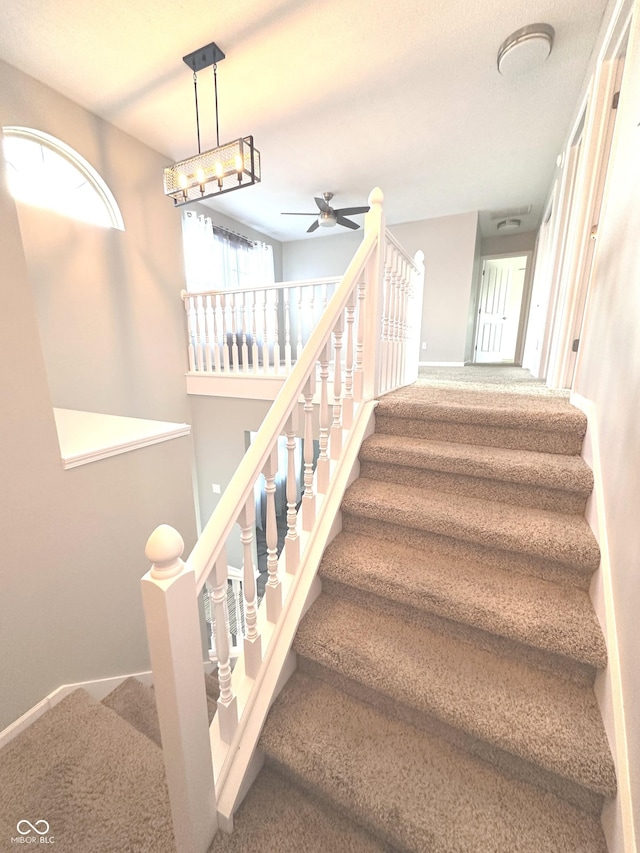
point(222, 169)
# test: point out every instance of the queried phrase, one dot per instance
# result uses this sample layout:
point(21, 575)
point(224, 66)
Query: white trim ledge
point(86, 437)
point(246, 386)
point(441, 364)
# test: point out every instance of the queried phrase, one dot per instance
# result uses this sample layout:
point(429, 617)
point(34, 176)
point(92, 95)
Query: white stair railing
point(368, 331)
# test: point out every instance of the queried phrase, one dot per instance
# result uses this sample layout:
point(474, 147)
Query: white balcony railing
point(256, 331)
point(369, 332)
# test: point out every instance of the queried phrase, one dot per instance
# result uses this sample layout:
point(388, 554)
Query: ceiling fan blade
point(351, 211)
point(347, 222)
point(322, 205)
point(288, 213)
point(313, 226)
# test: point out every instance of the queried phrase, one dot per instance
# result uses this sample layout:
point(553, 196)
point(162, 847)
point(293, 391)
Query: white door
point(499, 310)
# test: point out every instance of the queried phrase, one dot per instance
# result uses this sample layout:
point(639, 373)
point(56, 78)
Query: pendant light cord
point(195, 92)
point(215, 91)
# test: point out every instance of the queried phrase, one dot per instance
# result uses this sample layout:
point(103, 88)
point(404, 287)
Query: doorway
point(498, 327)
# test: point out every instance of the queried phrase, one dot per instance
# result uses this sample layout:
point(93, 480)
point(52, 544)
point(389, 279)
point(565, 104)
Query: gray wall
point(505, 245)
point(73, 541)
point(449, 247)
point(107, 302)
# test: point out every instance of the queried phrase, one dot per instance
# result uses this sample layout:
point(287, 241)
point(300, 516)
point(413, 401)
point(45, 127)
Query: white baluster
point(208, 607)
point(225, 342)
point(287, 331)
point(323, 466)
point(216, 333)
point(358, 376)
point(245, 348)
point(300, 309)
point(385, 332)
point(273, 588)
point(312, 309)
point(335, 445)
point(252, 639)
point(265, 334)
point(227, 702)
point(308, 498)
point(188, 308)
point(208, 336)
point(347, 402)
point(199, 334)
point(236, 592)
point(254, 328)
point(292, 540)
point(234, 333)
point(276, 335)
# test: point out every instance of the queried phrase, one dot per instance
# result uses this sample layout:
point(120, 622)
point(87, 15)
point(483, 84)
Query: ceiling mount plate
point(204, 57)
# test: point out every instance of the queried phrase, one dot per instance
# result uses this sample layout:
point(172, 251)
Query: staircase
point(443, 699)
point(94, 772)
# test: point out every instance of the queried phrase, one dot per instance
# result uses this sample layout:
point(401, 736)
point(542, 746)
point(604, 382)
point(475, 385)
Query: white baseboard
point(608, 687)
point(98, 689)
point(441, 364)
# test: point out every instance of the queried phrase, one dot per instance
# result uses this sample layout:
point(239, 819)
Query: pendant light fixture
point(222, 169)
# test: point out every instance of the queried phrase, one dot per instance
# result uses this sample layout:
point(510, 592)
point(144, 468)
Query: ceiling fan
point(328, 216)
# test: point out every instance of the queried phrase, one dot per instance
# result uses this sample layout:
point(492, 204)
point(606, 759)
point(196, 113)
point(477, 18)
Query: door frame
point(581, 209)
point(524, 303)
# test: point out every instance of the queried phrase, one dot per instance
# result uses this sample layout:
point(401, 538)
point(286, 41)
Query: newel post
point(173, 631)
point(373, 302)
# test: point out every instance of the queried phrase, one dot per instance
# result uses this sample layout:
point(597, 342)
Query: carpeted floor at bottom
point(96, 781)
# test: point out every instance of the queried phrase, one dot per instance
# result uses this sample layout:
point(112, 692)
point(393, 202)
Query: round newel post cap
point(376, 197)
point(164, 549)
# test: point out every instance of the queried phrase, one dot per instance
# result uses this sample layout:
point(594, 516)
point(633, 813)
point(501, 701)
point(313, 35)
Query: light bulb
point(183, 181)
point(200, 176)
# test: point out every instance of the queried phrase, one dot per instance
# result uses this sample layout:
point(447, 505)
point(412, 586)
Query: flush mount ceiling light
point(222, 169)
point(526, 49)
point(509, 225)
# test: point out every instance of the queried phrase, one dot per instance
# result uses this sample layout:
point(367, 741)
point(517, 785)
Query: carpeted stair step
point(437, 546)
point(136, 703)
point(523, 477)
point(414, 791)
point(98, 781)
point(548, 617)
point(279, 817)
point(561, 537)
point(541, 719)
point(550, 425)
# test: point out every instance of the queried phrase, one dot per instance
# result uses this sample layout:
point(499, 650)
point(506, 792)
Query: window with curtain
point(217, 259)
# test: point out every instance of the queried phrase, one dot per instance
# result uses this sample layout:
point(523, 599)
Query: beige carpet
point(444, 695)
point(94, 772)
point(443, 701)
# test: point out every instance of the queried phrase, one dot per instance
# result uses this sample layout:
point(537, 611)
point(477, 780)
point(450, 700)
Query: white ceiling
point(340, 95)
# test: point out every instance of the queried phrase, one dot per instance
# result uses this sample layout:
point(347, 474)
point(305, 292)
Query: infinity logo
point(31, 827)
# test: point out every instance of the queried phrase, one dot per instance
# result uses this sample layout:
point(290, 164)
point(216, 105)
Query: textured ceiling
point(340, 95)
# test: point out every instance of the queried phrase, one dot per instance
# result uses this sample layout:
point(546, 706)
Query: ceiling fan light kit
point(222, 169)
point(525, 49)
point(328, 217)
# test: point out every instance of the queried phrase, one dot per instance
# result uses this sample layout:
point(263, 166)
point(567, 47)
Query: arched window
point(43, 171)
